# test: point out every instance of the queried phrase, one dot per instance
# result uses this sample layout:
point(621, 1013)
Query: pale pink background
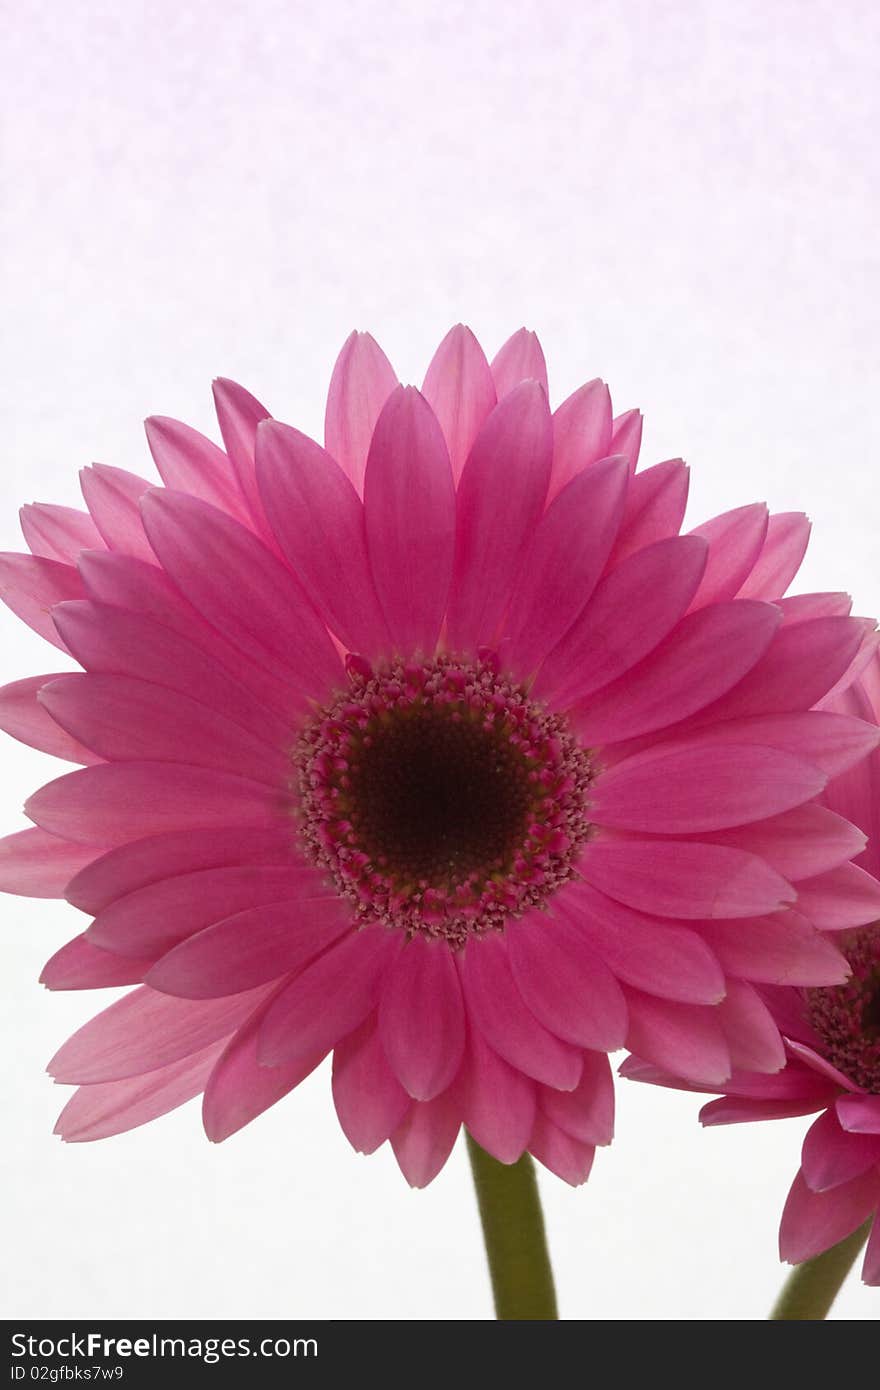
point(681, 197)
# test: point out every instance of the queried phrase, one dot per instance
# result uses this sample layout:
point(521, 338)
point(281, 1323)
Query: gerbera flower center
point(847, 1017)
point(440, 798)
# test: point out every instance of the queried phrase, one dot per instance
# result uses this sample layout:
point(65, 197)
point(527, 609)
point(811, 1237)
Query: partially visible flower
point(832, 1038)
point(441, 750)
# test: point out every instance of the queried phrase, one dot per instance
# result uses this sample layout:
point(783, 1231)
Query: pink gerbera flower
point(439, 749)
point(832, 1039)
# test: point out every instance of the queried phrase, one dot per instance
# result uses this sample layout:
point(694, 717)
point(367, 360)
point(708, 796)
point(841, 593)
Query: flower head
point(832, 1039)
point(439, 749)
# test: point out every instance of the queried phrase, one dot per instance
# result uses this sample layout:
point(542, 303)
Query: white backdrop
point(681, 198)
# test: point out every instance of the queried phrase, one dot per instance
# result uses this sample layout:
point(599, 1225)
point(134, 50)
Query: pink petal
point(566, 558)
point(581, 434)
point(801, 608)
point(370, 1101)
point(251, 947)
point(145, 1030)
point(630, 613)
point(361, 383)
point(138, 863)
point(190, 462)
point(508, 1026)
point(859, 1114)
point(780, 557)
point(520, 359)
point(843, 897)
point(318, 519)
point(750, 1029)
point(587, 1112)
point(30, 586)
point(421, 1018)
point(459, 388)
point(331, 997)
point(114, 802)
point(655, 507)
point(685, 1039)
point(121, 719)
point(500, 498)
point(735, 541)
point(831, 1155)
point(734, 1110)
point(799, 843)
point(832, 742)
point(558, 1151)
point(497, 1100)
point(812, 1222)
point(238, 414)
point(154, 919)
point(58, 533)
point(240, 1088)
point(647, 952)
point(688, 789)
point(80, 965)
point(241, 588)
point(684, 674)
point(112, 496)
point(782, 949)
point(675, 878)
point(409, 507)
point(24, 717)
point(626, 437)
point(34, 864)
point(425, 1139)
point(817, 1064)
point(566, 985)
point(96, 1112)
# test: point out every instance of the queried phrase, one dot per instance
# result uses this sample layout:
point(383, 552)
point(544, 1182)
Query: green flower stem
point(513, 1230)
point(812, 1287)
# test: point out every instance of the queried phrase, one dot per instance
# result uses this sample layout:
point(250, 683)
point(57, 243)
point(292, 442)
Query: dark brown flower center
point(847, 1016)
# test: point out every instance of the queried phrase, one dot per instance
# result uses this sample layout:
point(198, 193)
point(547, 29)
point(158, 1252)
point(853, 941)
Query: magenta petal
point(370, 1101)
point(800, 843)
point(843, 897)
point(859, 1114)
point(24, 717)
point(567, 986)
point(626, 437)
point(686, 1039)
point(239, 586)
point(505, 1021)
point(145, 1030)
point(750, 1029)
point(114, 802)
point(520, 359)
point(421, 1018)
point(780, 558)
point(113, 1107)
point(735, 542)
point(560, 1152)
point(238, 414)
point(331, 997)
point(459, 388)
point(498, 1101)
point(814, 1221)
point(655, 507)
point(190, 462)
point(318, 519)
point(31, 586)
point(361, 383)
point(250, 948)
point(581, 434)
point(58, 533)
point(782, 949)
point(831, 1155)
point(735, 1110)
point(500, 498)
point(676, 878)
point(409, 507)
point(655, 956)
point(35, 864)
point(832, 742)
point(240, 1088)
point(630, 613)
point(112, 496)
point(80, 965)
point(805, 1053)
point(566, 558)
point(425, 1139)
point(587, 1112)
